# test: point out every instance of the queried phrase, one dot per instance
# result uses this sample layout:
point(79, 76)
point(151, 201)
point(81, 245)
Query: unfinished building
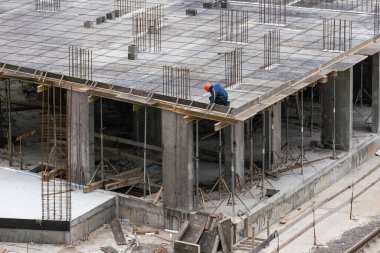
point(109, 95)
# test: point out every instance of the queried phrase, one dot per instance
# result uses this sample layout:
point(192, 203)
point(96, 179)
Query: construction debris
point(118, 232)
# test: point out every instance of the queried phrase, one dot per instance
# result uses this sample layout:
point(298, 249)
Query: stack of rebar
point(233, 26)
point(128, 6)
point(47, 5)
point(272, 12)
point(337, 35)
point(146, 28)
point(176, 82)
point(80, 62)
point(233, 62)
point(272, 41)
point(56, 172)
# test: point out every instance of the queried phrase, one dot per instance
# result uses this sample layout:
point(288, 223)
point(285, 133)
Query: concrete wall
point(283, 203)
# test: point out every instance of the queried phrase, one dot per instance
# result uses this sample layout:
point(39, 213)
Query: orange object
point(207, 86)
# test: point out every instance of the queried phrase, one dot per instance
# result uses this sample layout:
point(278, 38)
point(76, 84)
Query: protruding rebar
point(176, 82)
point(233, 26)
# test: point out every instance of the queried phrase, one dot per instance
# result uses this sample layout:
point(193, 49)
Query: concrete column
point(80, 118)
point(238, 137)
point(273, 138)
point(177, 162)
point(375, 93)
point(343, 116)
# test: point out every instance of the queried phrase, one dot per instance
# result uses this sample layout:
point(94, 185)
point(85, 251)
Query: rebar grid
point(176, 82)
point(272, 12)
point(127, 6)
point(367, 6)
point(337, 35)
point(272, 43)
point(233, 62)
point(80, 62)
point(47, 5)
point(55, 167)
point(146, 29)
point(376, 20)
point(233, 26)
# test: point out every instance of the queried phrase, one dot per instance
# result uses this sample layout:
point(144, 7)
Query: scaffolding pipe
point(145, 125)
point(233, 146)
point(196, 163)
point(263, 163)
point(334, 105)
point(220, 161)
point(311, 110)
point(101, 139)
point(287, 129)
point(302, 140)
point(8, 95)
point(251, 147)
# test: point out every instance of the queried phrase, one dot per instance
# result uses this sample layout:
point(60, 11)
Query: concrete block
point(225, 234)
point(110, 15)
point(117, 13)
point(88, 24)
point(191, 12)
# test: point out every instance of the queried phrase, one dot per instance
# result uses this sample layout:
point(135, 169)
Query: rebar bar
point(337, 35)
point(272, 52)
point(127, 6)
point(80, 62)
point(176, 82)
point(233, 62)
point(146, 28)
point(272, 12)
point(55, 168)
point(47, 5)
point(233, 26)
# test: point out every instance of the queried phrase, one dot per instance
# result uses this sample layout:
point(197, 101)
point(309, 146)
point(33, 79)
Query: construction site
point(109, 143)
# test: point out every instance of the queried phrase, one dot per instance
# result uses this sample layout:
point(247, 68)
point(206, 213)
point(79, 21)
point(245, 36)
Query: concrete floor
point(21, 196)
point(365, 210)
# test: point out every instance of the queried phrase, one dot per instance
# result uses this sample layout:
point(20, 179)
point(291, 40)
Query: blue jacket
point(218, 94)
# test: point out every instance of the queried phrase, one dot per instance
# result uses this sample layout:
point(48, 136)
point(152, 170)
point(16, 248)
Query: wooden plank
point(108, 249)
point(118, 232)
point(95, 185)
point(47, 175)
point(185, 247)
point(117, 152)
point(184, 226)
point(224, 228)
point(193, 233)
point(118, 185)
point(143, 231)
point(128, 142)
point(220, 125)
point(207, 242)
point(158, 196)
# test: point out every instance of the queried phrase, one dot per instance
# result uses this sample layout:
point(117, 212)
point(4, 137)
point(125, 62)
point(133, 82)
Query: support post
point(81, 136)
point(375, 93)
point(10, 145)
point(237, 136)
point(145, 125)
point(196, 163)
point(302, 141)
point(336, 130)
point(177, 162)
point(273, 134)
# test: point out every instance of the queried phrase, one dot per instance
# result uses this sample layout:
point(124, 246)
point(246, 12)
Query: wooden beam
point(188, 118)
point(92, 98)
point(220, 125)
point(137, 107)
point(128, 142)
point(118, 185)
point(41, 88)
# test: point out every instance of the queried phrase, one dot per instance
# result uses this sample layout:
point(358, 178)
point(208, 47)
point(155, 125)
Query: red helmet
point(207, 86)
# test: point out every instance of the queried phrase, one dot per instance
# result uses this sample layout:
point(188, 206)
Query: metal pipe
point(251, 147)
point(263, 162)
point(10, 146)
point(145, 125)
point(302, 139)
point(196, 163)
point(311, 110)
point(334, 118)
point(233, 146)
point(220, 161)
point(101, 140)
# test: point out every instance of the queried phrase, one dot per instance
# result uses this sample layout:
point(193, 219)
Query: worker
point(218, 94)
